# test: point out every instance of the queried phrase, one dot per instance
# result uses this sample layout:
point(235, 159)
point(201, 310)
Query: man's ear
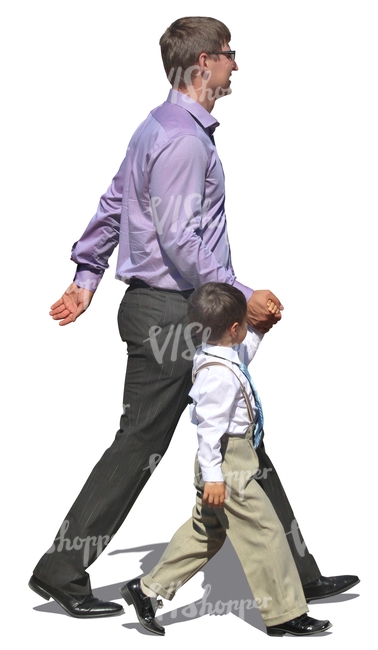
point(203, 62)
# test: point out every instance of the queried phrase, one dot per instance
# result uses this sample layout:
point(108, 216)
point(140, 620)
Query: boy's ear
point(234, 329)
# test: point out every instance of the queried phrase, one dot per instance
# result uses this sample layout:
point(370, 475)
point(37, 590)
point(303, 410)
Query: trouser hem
point(284, 618)
point(159, 589)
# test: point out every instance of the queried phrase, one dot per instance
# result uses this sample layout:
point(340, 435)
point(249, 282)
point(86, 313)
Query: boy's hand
point(214, 494)
point(272, 307)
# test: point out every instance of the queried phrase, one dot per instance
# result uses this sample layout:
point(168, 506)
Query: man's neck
point(199, 95)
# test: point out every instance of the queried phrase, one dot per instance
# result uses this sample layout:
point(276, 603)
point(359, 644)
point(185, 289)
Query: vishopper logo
point(183, 79)
point(153, 462)
point(179, 212)
point(61, 542)
point(237, 481)
point(173, 337)
point(218, 607)
point(299, 543)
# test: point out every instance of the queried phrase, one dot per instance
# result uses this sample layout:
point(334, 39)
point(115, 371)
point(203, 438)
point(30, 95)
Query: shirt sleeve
point(215, 395)
point(250, 345)
point(177, 187)
point(92, 251)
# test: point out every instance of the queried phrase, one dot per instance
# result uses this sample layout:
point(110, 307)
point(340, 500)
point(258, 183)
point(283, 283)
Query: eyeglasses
point(230, 54)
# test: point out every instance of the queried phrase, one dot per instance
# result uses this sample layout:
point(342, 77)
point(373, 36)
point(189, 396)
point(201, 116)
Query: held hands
point(273, 308)
point(214, 494)
point(263, 310)
point(71, 305)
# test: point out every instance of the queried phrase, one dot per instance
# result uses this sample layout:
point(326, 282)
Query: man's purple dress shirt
point(165, 207)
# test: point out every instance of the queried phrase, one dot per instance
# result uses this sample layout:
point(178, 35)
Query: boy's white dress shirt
point(218, 403)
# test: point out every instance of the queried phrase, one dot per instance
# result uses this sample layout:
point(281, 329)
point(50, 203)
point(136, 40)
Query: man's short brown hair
point(183, 42)
point(217, 306)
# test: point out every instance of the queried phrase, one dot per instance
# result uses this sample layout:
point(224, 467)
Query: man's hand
point(259, 315)
point(214, 494)
point(71, 305)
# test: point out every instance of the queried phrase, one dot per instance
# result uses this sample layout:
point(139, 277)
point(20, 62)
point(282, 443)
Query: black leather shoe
point(301, 626)
point(324, 587)
point(77, 606)
point(144, 608)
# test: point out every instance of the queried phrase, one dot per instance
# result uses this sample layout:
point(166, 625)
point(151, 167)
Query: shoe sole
point(333, 593)
point(127, 595)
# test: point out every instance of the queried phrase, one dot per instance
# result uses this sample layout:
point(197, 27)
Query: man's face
point(220, 70)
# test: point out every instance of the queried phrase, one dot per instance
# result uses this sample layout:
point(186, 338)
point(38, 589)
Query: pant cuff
point(284, 618)
point(168, 594)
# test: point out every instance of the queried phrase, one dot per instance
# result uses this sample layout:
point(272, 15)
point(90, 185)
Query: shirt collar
point(194, 108)
point(223, 352)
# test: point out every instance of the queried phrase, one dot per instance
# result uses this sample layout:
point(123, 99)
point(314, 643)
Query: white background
point(298, 141)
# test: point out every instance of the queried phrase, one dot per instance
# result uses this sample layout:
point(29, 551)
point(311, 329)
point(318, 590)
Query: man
point(165, 209)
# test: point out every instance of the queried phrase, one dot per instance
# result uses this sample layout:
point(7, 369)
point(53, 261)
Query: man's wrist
point(87, 279)
point(244, 289)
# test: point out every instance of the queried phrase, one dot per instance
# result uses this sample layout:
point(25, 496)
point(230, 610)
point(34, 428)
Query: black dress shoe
point(77, 606)
point(144, 608)
point(301, 626)
point(324, 587)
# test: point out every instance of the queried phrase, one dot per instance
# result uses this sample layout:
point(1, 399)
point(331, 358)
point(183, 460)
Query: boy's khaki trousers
point(250, 521)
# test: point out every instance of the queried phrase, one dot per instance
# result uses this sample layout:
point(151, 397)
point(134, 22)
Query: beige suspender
point(245, 394)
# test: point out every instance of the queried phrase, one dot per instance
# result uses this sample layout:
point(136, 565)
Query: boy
point(228, 415)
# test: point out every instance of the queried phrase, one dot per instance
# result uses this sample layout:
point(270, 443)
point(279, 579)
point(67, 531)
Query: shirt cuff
point(212, 474)
point(246, 290)
point(87, 279)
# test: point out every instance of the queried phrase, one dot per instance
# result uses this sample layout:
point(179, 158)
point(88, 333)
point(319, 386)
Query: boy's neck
point(225, 342)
